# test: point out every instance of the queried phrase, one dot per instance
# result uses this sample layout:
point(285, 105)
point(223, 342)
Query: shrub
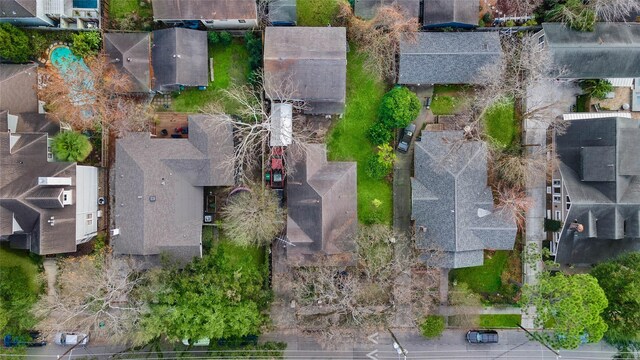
point(576, 14)
point(213, 37)
point(597, 88)
point(379, 134)
point(487, 18)
point(510, 23)
point(386, 156)
point(376, 169)
point(71, 146)
point(432, 326)
point(14, 44)
point(86, 43)
point(398, 108)
point(253, 45)
point(225, 38)
point(552, 225)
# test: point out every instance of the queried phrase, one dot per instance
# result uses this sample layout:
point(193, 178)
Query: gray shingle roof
point(159, 187)
point(447, 57)
point(18, 8)
point(283, 12)
point(204, 9)
point(311, 62)
point(322, 205)
point(611, 51)
point(131, 53)
point(446, 12)
point(18, 84)
point(179, 57)
point(600, 171)
point(451, 203)
point(366, 9)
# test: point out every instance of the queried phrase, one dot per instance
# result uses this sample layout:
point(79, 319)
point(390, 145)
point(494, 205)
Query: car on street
point(482, 336)
point(32, 340)
point(71, 338)
point(407, 135)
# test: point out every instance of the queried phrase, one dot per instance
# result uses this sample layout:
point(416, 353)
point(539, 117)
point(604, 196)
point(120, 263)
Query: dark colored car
point(31, 340)
point(482, 336)
point(407, 135)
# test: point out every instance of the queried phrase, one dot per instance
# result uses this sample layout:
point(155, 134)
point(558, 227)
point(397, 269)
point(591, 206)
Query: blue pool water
point(74, 71)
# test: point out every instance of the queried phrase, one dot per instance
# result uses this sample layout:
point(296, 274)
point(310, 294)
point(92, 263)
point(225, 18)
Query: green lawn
point(119, 9)
point(316, 12)
point(347, 140)
point(230, 66)
point(486, 278)
point(13, 258)
point(499, 321)
point(447, 99)
point(240, 254)
point(500, 123)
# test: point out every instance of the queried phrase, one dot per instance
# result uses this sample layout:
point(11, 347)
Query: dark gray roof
point(283, 12)
point(311, 62)
point(18, 8)
point(18, 84)
point(447, 57)
point(131, 54)
point(322, 206)
point(446, 12)
point(611, 51)
point(179, 57)
point(601, 174)
point(366, 9)
point(451, 203)
point(159, 187)
point(30, 203)
point(204, 9)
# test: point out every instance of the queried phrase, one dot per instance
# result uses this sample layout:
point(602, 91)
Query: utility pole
point(534, 337)
point(397, 346)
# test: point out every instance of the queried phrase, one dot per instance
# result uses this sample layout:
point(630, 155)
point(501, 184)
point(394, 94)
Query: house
point(179, 59)
point(322, 209)
point(366, 9)
point(212, 14)
point(450, 13)
point(307, 64)
point(283, 13)
point(611, 51)
point(159, 188)
point(447, 57)
point(452, 206)
point(67, 14)
point(130, 53)
point(597, 190)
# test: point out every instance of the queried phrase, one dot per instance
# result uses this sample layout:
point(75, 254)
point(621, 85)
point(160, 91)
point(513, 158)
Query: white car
point(199, 342)
point(70, 338)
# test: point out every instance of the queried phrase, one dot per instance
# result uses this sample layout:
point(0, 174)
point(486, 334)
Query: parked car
point(31, 340)
point(482, 336)
point(70, 338)
point(407, 135)
point(199, 342)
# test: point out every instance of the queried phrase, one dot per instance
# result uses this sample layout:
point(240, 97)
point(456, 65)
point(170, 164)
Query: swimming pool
point(75, 72)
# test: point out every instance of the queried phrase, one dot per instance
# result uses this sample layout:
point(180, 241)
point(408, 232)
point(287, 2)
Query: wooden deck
point(169, 121)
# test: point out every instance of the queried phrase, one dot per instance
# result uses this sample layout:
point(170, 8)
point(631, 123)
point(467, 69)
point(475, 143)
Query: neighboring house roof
point(450, 12)
point(131, 53)
point(283, 12)
point(18, 8)
point(601, 174)
point(159, 187)
point(451, 203)
point(179, 57)
point(29, 122)
point(366, 9)
point(447, 57)
point(204, 9)
point(307, 63)
point(322, 208)
point(18, 84)
point(612, 50)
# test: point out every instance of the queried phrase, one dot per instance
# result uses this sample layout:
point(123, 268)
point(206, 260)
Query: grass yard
point(486, 278)
point(119, 9)
point(500, 122)
point(447, 99)
point(230, 66)
point(497, 321)
point(316, 12)
point(239, 254)
point(347, 140)
point(13, 258)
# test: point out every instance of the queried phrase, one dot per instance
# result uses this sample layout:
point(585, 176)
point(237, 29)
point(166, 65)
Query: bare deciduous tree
point(513, 202)
point(380, 36)
point(517, 7)
point(94, 293)
point(614, 10)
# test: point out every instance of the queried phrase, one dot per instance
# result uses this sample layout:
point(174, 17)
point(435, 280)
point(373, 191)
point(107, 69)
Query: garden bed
point(347, 140)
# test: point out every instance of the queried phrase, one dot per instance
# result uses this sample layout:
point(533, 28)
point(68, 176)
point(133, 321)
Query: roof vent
point(152, 198)
point(128, 59)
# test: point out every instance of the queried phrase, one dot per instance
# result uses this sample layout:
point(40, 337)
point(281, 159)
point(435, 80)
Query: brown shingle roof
point(18, 88)
point(130, 53)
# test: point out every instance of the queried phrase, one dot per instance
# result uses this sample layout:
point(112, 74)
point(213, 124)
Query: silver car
point(71, 338)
